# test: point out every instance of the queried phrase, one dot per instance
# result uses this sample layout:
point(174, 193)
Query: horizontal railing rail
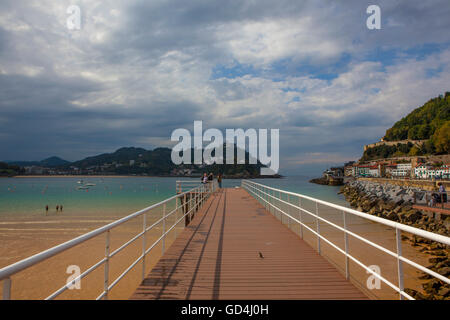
point(184, 185)
point(267, 196)
point(188, 202)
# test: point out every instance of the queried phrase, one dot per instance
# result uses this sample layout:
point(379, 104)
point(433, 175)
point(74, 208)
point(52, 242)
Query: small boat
point(82, 188)
point(80, 182)
point(89, 184)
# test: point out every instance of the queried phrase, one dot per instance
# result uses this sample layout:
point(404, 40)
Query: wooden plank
point(218, 257)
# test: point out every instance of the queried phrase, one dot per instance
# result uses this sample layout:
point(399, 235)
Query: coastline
point(393, 202)
point(136, 176)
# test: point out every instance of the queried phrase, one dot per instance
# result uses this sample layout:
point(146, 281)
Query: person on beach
point(219, 180)
point(60, 208)
point(57, 208)
point(46, 209)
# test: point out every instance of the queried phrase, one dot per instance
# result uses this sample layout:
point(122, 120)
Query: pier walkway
point(235, 249)
point(242, 243)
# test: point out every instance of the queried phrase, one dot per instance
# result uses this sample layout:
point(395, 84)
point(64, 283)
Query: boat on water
point(89, 184)
point(82, 188)
point(80, 182)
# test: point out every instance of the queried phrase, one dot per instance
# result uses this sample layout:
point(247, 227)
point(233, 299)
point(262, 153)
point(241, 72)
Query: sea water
point(119, 195)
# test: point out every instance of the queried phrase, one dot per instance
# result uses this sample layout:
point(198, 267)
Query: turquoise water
point(117, 195)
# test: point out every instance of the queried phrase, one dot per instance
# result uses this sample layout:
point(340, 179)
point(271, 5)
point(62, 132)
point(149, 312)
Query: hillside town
point(416, 168)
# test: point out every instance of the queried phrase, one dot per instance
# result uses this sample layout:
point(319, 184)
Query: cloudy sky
point(137, 70)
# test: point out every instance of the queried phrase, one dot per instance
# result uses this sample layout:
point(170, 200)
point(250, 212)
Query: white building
point(421, 171)
point(428, 172)
point(374, 171)
point(402, 170)
point(443, 172)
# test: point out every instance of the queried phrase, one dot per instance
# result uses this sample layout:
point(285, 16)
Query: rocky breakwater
point(328, 181)
point(395, 203)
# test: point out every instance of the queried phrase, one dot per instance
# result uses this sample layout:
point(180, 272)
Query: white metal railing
point(271, 198)
point(184, 185)
point(188, 202)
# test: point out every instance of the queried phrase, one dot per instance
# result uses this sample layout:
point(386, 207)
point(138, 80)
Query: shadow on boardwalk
point(235, 249)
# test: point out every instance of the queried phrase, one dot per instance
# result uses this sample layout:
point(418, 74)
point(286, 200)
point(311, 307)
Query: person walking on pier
point(442, 192)
point(219, 180)
point(205, 178)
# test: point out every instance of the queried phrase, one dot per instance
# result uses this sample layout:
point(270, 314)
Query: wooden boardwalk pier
point(235, 249)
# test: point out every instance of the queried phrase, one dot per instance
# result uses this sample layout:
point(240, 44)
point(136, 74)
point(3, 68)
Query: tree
point(441, 138)
point(415, 151)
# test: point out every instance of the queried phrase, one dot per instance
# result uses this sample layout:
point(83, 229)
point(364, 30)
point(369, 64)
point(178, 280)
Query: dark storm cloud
point(146, 69)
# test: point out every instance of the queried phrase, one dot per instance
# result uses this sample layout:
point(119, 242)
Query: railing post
point(272, 207)
point(300, 217)
point(289, 211)
point(7, 289)
point(163, 244)
point(106, 280)
point(266, 197)
point(186, 216)
point(176, 216)
point(318, 227)
point(347, 270)
point(398, 238)
point(143, 244)
point(279, 208)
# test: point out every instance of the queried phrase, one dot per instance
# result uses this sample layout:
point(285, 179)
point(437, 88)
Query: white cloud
point(158, 59)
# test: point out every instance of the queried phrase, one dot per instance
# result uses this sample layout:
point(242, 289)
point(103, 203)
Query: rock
point(410, 216)
point(392, 216)
point(425, 276)
point(440, 253)
point(432, 286)
point(442, 264)
point(398, 209)
point(435, 260)
point(415, 294)
point(372, 211)
point(445, 271)
point(445, 291)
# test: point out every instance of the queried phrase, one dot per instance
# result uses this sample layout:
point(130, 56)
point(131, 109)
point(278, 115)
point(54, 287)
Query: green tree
point(441, 138)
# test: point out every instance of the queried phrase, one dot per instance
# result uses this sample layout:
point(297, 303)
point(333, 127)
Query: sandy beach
point(21, 238)
point(24, 236)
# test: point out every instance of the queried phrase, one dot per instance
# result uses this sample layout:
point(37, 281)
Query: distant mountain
point(139, 161)
point(48, 163)
point(54, 162)
point(131, 160)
